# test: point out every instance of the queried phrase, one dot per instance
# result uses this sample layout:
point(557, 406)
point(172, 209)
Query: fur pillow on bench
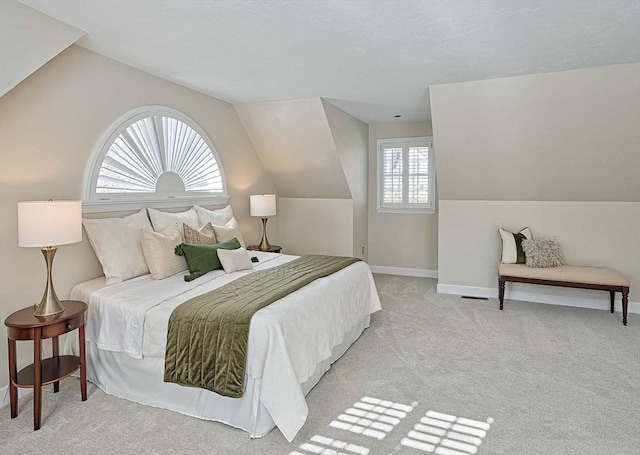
point(542, 253)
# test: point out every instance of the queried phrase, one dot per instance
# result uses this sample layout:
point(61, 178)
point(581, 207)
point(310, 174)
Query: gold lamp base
point(264, 243)
point(50, 304)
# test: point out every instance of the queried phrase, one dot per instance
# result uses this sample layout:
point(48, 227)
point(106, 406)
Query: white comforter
point(286, 341)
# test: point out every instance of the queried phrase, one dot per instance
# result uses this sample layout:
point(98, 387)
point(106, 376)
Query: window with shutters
point(154, 156)
point(406, 175)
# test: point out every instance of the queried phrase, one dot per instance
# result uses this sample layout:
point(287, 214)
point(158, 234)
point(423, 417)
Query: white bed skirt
point(141, 381)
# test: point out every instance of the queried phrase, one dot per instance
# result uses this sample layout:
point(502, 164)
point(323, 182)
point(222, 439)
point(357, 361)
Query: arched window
point(154, 156)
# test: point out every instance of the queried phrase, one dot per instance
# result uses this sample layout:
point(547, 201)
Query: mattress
point(290, 341)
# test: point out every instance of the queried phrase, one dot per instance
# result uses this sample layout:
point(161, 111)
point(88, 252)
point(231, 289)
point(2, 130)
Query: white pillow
point(228, 232)
point(116, 242)
point(512, 252)
point(234, 260)
point(162, 220)
point(216, 217)
point(159, 251)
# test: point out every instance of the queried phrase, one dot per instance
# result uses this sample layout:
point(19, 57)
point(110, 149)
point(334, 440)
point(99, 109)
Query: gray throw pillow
point(203, 236)
point(542, 253)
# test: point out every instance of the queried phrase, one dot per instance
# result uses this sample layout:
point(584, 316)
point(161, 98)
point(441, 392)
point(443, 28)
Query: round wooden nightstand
point(272, 248)
point(23, 325)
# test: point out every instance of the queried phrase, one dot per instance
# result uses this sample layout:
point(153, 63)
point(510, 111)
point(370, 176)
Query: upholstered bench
point(569, 276)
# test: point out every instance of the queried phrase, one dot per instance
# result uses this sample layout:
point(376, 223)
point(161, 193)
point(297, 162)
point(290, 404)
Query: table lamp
point(44, 224)
point(264, 206)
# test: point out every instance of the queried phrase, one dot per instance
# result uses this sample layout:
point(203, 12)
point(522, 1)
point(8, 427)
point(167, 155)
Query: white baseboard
point(403, 271)
point(601, 303)
point(4, 394)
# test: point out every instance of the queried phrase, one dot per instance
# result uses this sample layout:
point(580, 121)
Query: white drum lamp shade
point(49, 223)
point(264, 206)
point(46, 224)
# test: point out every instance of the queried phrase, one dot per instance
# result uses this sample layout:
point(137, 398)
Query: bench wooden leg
point(613, 297)
point(625, 304)
point(501, 284)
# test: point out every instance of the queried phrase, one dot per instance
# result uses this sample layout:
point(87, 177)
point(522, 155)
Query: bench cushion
point(568, 273)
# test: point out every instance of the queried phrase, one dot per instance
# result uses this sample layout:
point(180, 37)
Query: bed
point(292, 343)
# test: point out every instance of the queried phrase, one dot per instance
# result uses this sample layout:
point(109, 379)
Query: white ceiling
point(28, 40)
point(372, 58)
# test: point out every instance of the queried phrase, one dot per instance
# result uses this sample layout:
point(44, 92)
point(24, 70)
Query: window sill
point(406, 211)
point(124, 205)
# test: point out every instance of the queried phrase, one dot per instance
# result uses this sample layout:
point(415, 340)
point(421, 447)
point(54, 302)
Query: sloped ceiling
point(296, 147)
point(28, 40)
point(371, 58)
point(350, 137)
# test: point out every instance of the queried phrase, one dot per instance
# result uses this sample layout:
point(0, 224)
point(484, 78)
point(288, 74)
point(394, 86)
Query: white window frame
point(94, 202)
point(405, 207)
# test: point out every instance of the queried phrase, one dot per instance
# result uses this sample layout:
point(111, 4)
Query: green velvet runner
point(208, 335)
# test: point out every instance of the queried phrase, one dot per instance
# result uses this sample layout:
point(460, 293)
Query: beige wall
point(49, 126)
point(351, 137)
point(294, 142)
point(566, 136)
point(316, 226)
point(598, 234)
point(558, 152)
point(400, 240)
point(316, 155)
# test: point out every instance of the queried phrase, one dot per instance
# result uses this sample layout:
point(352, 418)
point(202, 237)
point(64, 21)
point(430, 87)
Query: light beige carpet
point(433, 374)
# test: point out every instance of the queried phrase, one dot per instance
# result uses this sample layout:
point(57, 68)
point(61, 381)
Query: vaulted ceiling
point(372, 58)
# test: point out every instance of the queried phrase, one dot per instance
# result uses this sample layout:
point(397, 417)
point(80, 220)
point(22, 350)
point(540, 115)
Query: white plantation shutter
point(406, 177)
point(418, 188)
point(152, 146)
point(392, 175)
point(153, 156)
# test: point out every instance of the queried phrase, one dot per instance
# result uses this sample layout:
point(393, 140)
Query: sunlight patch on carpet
point(327, 446)
point(445, 434)
point(368, 416)
point(372, 417)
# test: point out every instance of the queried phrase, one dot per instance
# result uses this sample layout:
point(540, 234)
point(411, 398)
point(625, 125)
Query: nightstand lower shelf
point(23, 325)
point(53, 370)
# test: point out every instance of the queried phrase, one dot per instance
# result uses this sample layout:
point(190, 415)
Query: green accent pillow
point(202, 259)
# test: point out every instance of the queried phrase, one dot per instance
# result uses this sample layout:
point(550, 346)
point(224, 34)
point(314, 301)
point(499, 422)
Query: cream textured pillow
point(218, 217)
point(116, 242)
point(542, 253)
point(203, 236)
point(234, 260)
point(228, 232)
point(159, 251)
point(162, 220)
